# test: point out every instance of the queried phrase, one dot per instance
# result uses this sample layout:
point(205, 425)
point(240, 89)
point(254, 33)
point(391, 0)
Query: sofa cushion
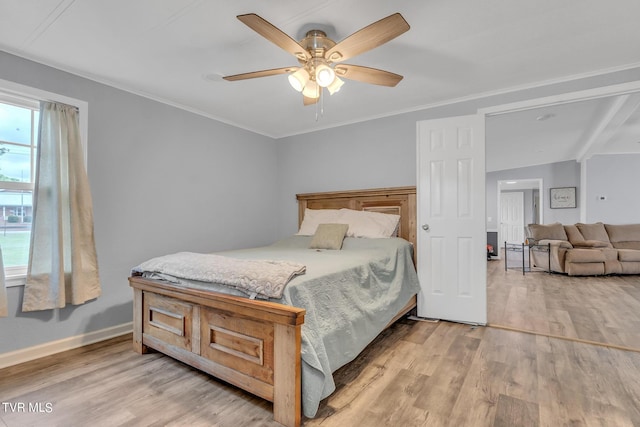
point(623, 232)
point(630, 267)
point(553, 231)
point(573, 234)
point(594, 232)
point(610, 254)
point(624, 236)
point(612, 267)
point(627, 245)
point(628, 255)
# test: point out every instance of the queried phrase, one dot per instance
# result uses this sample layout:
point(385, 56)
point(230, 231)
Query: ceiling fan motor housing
point(316, 43)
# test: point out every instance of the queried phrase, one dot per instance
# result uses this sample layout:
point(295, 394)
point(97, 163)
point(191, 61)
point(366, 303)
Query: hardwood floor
point(414, 374)
point(593, 309)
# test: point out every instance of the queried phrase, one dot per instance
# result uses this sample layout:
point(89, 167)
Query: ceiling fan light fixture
point(318, 56)
point(311, 90)
point(298, 79)
point(335, 85)
point(325, 75)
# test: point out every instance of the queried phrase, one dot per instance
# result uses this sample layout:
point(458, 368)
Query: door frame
point(564, 98)
point(536, 183)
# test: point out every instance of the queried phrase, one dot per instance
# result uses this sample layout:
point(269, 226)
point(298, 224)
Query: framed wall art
point(563, 198)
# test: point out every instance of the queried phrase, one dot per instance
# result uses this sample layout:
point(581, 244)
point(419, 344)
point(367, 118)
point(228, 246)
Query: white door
point(452, 234)
point(512, 217)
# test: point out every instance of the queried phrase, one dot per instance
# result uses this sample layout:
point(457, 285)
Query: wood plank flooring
point(594, 309)
point(414, 374)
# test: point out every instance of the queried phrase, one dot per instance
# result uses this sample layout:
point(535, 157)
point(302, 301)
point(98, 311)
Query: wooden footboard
point(254, 345)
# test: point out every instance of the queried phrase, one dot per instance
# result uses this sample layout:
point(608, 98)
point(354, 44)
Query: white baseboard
point(53, 347)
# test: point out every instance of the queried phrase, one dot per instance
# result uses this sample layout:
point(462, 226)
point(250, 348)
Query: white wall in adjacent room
point(616, 177)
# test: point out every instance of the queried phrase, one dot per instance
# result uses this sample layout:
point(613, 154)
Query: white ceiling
point(571, 131)
point(176, 51)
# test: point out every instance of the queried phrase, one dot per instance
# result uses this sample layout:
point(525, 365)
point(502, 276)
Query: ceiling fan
point(321, 58)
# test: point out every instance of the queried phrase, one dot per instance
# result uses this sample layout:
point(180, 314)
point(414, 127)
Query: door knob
point(425, 227)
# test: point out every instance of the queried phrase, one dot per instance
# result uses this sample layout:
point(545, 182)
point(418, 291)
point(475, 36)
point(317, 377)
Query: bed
point(261, 346)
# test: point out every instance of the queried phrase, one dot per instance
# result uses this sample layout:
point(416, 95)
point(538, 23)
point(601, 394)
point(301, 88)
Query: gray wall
point(616, 176)
point(163, 180)
point(379, 153)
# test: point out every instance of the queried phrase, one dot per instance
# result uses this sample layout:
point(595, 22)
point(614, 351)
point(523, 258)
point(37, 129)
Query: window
point(19, 117)
point(18, 136)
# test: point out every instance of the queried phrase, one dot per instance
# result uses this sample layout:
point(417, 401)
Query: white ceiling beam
point(619, 111)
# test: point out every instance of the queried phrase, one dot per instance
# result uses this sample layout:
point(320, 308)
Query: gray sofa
point(586, 249)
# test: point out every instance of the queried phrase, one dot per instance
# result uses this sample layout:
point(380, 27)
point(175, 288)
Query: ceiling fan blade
point(263, 73)
point(274, 35)
point(367, 75)
point(368, 37)
point(309, 101)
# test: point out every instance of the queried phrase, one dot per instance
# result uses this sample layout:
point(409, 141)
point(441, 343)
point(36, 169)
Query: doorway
point(518, 204)
point(543, 303)
point(463, 182)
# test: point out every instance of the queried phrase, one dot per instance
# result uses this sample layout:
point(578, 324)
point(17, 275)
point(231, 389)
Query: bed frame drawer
point(168, 319)
point(243, 344)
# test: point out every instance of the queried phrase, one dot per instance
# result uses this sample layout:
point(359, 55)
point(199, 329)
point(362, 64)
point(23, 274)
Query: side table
point(522, 252)
point(517, 251)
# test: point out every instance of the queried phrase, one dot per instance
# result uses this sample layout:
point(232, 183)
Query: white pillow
point(314, 217)
point(369, 224)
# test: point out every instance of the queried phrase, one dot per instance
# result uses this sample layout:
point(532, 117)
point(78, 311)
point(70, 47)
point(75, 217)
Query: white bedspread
point(266, 278)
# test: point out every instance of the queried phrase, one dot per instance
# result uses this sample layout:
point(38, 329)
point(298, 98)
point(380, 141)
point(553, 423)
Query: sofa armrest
point(591, 244)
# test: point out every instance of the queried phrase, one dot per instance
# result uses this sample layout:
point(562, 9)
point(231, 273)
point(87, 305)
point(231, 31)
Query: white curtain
point(3, 290)
point(63, 266)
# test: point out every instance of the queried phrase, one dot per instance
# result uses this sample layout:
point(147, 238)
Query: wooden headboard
point(397, 200)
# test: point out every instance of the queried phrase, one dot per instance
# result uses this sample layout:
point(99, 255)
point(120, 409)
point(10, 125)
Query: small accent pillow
point(314, 217)
point(329, 236)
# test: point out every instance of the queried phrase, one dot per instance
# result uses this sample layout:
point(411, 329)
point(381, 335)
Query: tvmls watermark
point(27, 407)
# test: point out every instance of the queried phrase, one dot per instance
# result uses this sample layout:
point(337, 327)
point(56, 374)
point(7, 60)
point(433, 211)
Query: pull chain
point(320, 106)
